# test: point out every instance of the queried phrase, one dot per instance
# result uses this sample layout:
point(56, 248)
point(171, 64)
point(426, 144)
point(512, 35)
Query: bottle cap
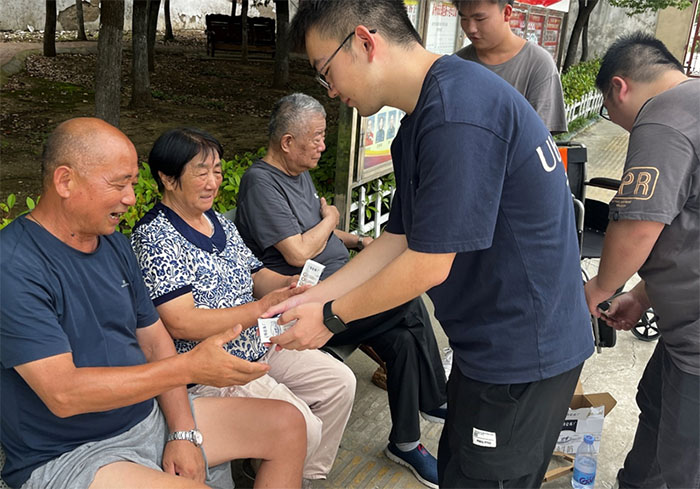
point(588, 439)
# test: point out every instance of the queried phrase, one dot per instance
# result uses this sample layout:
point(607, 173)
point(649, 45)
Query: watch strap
point(192, 436)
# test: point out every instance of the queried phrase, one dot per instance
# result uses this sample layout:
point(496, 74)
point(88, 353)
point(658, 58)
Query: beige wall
point(673, 28)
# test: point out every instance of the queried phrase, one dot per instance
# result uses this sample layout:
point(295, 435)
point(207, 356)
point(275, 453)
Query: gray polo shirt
point(273, 206)
point(661, 183)
point(533, 73)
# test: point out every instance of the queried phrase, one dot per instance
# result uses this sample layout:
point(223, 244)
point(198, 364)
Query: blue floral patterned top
point(176, 259)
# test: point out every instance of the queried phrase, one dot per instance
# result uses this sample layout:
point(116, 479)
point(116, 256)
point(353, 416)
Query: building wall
point(606, 24)
point(673, 28)
point(184, 14)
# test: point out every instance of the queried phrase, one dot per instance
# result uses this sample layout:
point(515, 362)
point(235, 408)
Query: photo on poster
point(369, 132)
point(379, 136)
point(391, 130)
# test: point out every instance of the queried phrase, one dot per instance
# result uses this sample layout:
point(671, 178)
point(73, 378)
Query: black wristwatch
point(334, 324)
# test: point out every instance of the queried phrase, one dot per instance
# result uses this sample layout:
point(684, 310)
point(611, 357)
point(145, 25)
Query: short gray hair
point(290, 113)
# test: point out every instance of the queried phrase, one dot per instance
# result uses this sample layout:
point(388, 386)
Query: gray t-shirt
point(661, 183)
point(531, 72)
point(273, 206)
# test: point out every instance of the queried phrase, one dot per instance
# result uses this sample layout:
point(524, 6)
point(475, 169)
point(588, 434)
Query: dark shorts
point(502, 435)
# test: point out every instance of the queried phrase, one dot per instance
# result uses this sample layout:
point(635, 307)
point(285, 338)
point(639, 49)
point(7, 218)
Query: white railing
point(588, 105)
point(371, 227)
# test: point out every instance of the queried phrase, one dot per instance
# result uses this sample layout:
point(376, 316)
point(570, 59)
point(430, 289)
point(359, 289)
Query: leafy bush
point(579, 80)
point(9, 213)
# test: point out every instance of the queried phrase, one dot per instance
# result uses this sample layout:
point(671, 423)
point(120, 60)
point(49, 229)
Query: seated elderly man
point(281, 218)
point(202, 279)
point(84, 352)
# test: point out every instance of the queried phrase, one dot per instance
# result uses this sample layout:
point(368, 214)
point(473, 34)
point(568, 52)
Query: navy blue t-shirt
point(478, 174)
point(56, 299)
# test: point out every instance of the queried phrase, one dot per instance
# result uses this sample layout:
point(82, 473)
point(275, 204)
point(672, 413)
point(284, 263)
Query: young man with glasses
point(481, 219)
point(655, 230)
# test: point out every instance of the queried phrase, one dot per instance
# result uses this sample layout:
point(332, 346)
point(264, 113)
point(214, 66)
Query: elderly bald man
point(84, 354)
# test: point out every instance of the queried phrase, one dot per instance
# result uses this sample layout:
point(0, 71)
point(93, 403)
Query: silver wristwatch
point(193, 436)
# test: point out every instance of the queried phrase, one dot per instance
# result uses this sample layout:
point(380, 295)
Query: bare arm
point(352, 241)
point(68, 390)
point(301, 247)
point(185, 321)
point(407, 276)
point(266, 280)
point(365, 265)
point(626, 247)
point(157, 344)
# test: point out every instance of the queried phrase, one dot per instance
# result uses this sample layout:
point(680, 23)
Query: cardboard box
point(585, 417)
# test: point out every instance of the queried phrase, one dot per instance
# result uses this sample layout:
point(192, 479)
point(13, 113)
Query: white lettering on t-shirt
point(553, 153)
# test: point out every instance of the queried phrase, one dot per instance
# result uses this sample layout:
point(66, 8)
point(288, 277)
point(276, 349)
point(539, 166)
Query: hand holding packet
point(268, 327)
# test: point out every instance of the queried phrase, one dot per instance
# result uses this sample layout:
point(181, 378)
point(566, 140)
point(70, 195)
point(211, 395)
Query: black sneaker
point(419, 461)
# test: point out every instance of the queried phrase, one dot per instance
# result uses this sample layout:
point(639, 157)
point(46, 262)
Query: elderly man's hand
point(329, 212)
point(210, 364)
point(308, 332)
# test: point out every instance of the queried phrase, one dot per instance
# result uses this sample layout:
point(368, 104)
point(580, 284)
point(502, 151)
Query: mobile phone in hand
point(603, 308)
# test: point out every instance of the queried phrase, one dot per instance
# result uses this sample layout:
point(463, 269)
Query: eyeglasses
point(603, 109)
point(321, 74)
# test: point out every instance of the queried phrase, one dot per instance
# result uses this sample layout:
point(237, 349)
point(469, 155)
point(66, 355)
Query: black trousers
point(404, 338)
point(501, 435)
point(666, 448)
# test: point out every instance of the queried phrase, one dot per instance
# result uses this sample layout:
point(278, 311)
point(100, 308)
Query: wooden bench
point(224, 33)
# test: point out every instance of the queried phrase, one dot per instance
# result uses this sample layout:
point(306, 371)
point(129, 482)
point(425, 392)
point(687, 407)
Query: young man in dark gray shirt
point(655, 230)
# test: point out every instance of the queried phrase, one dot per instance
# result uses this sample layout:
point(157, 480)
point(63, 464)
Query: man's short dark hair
point(501, 3)
point(639, 57)
point(335, 19)
point(175, 148)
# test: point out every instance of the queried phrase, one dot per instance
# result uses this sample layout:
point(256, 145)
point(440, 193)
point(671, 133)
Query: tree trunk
point(244, 31)
point(281, 76)
point(584, 12)
point(80, 20)
point(50, 29)
point(153, 8)
point(584, 41)
point(168, 24)
point(109, 62)
point(141, 85)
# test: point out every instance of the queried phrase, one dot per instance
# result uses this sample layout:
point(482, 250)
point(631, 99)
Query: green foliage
point(233, 171)
point(579, 80)
point(147, 194)
point(8, 209)
point(640, 6)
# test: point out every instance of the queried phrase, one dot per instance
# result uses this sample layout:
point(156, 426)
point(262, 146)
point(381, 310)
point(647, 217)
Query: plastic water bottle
point(584, 464)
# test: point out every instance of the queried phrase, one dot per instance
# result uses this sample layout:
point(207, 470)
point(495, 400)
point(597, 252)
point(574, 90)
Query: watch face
point(197, 437)
point(334, 324)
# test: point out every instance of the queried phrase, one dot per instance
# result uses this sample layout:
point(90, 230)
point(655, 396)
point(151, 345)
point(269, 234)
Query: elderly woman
point(203, 279)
